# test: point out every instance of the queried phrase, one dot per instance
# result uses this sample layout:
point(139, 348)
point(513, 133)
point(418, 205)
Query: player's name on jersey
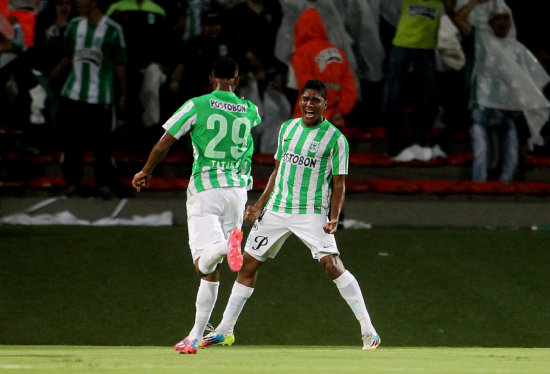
point(228, 107)
point(225, 164)
point(299, 160)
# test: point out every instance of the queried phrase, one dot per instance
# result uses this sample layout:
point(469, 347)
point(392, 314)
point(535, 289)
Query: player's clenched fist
point(331, 226)
point(252, 213)
point(140, 180)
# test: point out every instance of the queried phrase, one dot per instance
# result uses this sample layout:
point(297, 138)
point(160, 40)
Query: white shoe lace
point(210, 328)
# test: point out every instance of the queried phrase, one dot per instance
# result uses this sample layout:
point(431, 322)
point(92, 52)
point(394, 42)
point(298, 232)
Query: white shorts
point(272, 229)
point(212, 214)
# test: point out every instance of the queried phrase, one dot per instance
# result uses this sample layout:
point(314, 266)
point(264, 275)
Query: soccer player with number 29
point(304, 196)
point(220, 125)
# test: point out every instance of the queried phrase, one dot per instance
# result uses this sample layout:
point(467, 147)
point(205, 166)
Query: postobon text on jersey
point(299, 160)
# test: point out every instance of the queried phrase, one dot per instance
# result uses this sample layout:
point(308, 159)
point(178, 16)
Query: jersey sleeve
point(182, 121)
point(279, 153)
point(258, 119)
point(340, 156)
point(68, 39)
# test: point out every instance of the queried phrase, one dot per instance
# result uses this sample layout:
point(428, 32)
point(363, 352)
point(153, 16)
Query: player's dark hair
point(317, 85)
point(225, 67)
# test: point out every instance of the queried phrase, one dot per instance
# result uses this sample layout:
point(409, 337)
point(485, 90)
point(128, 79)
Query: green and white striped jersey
point(309, 157)
point(96, 51)
point(220, 125)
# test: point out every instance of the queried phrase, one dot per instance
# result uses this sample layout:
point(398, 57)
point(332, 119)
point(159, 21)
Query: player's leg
point(241, 292)
point(309, 228)
point(231, 221)
point(207, 236)
point(264, 241)
point(204, 305)
point(351, 292)
point(72, 139)
point(208, 246)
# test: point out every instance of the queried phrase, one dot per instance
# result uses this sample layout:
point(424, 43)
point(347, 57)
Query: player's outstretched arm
point(252, 212)
point(159, 151)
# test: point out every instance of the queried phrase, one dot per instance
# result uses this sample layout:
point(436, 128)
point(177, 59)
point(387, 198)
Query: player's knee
point(214, 276)
point(249, 271)
point(333, 266)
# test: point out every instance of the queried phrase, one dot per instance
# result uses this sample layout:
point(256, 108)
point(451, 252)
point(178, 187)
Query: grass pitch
point(135, 286)
point(272, 359)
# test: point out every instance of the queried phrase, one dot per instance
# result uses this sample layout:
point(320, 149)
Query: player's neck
point(313, 124)
point(95, 17)
point(225, 85)
point(227, 88)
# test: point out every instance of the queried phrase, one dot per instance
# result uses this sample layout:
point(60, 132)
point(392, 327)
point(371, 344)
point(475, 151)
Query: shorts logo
point(259, 241)
point(314, 146)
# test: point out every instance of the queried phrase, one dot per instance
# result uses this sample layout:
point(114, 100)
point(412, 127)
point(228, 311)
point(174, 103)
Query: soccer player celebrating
point(220, 125)
point(304, 196)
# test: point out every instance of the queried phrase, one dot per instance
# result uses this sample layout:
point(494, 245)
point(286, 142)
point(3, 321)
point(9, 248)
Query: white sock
point(211, 257)
point(235, 304)
point(206, 299)
point(351, 292)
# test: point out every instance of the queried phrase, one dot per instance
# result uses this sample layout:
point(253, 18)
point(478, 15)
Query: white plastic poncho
point(449, 53)
point(390, 10)
point(507, 76)
point(362, 21)
point(153, 78)
point(38, 95)
point(336, 32)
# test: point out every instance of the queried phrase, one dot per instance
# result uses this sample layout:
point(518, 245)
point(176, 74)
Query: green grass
point(135, 286)
point(272, 359)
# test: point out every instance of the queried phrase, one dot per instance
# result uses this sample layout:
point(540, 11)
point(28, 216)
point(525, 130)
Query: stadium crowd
point(406, 65)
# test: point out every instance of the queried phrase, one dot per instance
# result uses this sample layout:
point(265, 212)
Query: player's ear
point(211, 77)
point(326, 104)
point(236, 80)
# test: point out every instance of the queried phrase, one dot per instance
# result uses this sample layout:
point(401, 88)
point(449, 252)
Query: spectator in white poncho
point(507, 82)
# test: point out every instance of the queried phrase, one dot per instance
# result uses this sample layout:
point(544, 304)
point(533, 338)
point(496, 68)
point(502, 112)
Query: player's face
point(63, 7)
point(84, 7)
point(312, 105)
point(212, 31)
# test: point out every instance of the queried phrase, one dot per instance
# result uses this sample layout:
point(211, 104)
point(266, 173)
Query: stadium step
point(370, 169)
point(381, 186)
point(183, 157)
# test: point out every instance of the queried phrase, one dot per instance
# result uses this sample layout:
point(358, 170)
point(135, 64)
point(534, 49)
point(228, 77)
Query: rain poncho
point(358, 36)
point(390, 10)
point(315, 58)
point(292, 9)
point(506, 75)
point(362, 24)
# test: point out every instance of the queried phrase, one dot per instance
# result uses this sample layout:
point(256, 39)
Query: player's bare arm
point(336, 203)
point(159, 151)
point(253, 212)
